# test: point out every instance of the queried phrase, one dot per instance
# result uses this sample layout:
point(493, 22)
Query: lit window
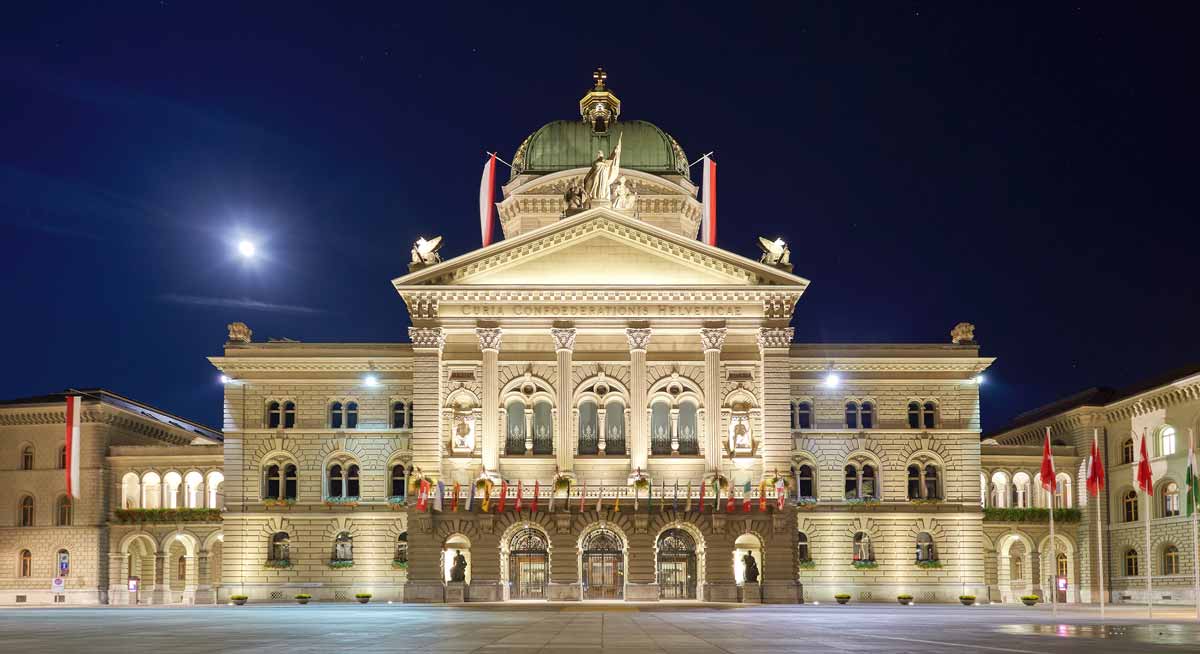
point(26, 564)
point(1061, 565)
point(1170, 564)
point(1131, 563)
point(281, 547)
point(1170, 500)
point(27, 457)
point(925, 549)
point(1166, 441)
point(1127, 451)
point(1129, 505)
point(26, 517)
point(863, 551)
point(802, 551)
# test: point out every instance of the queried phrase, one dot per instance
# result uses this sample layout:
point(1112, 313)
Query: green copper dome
point(567, 144)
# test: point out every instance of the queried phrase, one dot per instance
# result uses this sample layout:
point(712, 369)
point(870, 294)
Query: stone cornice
point(91, 415)
point(972, 365)
point(235, 366)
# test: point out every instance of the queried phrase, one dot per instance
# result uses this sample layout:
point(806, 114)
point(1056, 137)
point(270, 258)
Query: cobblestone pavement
point(592, 629)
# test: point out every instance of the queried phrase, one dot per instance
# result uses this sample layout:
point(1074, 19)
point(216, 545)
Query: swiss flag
point(1095, 473)
point(487, 193)
point(1145, 479)
point(1049, 482)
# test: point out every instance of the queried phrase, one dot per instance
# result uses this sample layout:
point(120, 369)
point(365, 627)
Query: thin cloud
point(235, 303)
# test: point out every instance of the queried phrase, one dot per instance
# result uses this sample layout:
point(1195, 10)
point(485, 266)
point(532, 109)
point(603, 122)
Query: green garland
point(338, 565)
point(866, 565)
point(277, 564)
point(929, 565)
point(139, 516)
point(994, 514)
point(808, 564)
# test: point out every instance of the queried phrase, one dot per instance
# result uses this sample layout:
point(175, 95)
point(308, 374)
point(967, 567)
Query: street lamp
point(246, 248)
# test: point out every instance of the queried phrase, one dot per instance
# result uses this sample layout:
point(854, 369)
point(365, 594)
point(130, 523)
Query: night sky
point(1030, 169)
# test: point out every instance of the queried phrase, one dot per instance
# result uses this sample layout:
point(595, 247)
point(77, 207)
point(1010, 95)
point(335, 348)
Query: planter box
point(842, 600)
point(239, 602)
point(904, 601)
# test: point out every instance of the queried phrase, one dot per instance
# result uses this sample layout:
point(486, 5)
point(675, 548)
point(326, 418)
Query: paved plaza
point(591, 629)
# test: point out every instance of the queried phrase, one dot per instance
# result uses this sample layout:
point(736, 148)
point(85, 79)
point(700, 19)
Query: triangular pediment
point(600, 247)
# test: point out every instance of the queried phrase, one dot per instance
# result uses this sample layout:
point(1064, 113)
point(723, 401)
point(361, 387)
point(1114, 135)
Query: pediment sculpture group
point(604, 182)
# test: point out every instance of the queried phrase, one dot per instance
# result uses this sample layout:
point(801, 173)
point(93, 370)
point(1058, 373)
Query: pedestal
point(751, 593)
point(456, 592)
point(782, 592)
point(720, 592)
point(424, 592)
point(641, 592)
point(564, 592)
point(484, 591)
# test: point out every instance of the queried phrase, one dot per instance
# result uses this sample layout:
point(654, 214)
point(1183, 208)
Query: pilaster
point(712, 339)
point(564, 348)
point(774, 344)
point(489, 345)
point(637, 440)
point(427, 397)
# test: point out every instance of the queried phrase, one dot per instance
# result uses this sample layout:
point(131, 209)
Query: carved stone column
point(489, 345)
point(564, 348)
point(774, 345)
point(637, 440)
point(712, 339)
point(161, 594)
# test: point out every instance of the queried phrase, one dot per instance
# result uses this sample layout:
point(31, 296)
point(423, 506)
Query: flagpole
point(1149, 563)
point(1192, 502)
point(1053, 559)
point(1099, 527)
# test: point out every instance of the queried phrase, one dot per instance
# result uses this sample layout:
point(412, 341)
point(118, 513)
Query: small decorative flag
point(554, 496)
point(1145, 478)
point(780, 494)
point(519, 493)
point(487, 195)
point(746, 498)
point(441, 494)
point(503, 496)
point(454, 497)
point(72, 445)
point(1095, 468)
point(1193, 484)
point(470, 497)
point(688, 505)
point(486, 505)
point(582, 494)
point(423, 495)
point(675, 497)
point(533, 504)
point(617, 502)
point(762, 496)
point(600, 499)
point(731, 503)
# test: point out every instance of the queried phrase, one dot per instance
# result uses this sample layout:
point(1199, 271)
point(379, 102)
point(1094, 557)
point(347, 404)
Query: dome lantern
point(599, 107)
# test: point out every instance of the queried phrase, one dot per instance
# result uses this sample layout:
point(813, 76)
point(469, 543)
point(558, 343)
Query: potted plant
point(362, 598)
point(904, 599)
point(929, 564)
point(303, 598)
point(340, 564)
point(239, 599)
point(1030, 600)
point(397, 564)
point(865, 564)
point(967, 600)
point(842, 598)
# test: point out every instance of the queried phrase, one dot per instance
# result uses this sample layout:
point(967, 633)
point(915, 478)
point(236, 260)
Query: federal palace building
point(639, 428)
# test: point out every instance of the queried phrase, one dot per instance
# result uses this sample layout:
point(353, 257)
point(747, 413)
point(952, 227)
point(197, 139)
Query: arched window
point(1020, 490)
point(1129, 505)
point(914, 415)
point(400, 556)
point(343, 547)
point(26, 564)
point(514, 441)
point(852, 421)
point(1062, 491)
point(1170, 500)
point(289, 415)
point(869, 487)
point(352, 485)
point(272, 482)
point(62, 457)
point(863, 550)
point(543, 428)
point(181, 568)
point(274, 415)
point(614, 428)
point(335, 415)
point(131, 491)
point(914, 481)
point(806, 481)
point(925, 549)
point(25, 519)
point(1060, 564)
point(866, 416)
point(851, 482)
point(399, 481)
point(660, 428)
point(64, 563)
point(1166, 441)
point(1170, 562)
point(804, 415)
point(1127, 451)
point(929, 415)
point(62, 511)
point(213, 486)
point(933, 489)
point(27, 457)
point(171, 483)
point(589, 428)
point(289, 482)
point(281, 547)
point(1000, 494)
point(399, 415)
point(352, 415)
point(336, 486)
point(192, 497)
point(1131, 563)
point(689, 432)
point(802, 551)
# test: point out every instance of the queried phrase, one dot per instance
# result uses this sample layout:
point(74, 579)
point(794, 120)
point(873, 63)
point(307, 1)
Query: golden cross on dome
point(600, 76)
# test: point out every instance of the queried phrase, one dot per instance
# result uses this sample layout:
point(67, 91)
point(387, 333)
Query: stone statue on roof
point(597, 184)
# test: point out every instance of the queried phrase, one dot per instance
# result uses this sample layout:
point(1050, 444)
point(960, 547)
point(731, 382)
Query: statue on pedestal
point(597, 184)
point(458, 572)
point(751, 567)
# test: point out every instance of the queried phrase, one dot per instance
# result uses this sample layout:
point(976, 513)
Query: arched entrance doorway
point(528, 564)
point(676, 565)
point(603, 560)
